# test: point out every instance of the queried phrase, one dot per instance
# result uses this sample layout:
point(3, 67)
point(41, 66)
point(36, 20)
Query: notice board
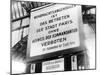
point(53, 65)
point(54, 30)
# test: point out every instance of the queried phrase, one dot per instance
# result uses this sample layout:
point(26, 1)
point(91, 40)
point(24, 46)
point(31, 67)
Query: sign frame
point(62, 52)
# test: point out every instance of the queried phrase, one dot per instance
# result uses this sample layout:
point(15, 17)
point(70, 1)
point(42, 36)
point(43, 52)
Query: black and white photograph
point(51, 37)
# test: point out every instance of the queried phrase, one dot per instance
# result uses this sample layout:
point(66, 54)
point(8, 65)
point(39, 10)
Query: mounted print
point(52, 37)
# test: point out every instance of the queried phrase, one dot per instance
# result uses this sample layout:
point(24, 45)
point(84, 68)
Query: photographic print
point(52, 37)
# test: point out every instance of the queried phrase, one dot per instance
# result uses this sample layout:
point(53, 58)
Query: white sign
point(74, 62)
point(54, 28)
point(32, 70)
point(53, 65)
